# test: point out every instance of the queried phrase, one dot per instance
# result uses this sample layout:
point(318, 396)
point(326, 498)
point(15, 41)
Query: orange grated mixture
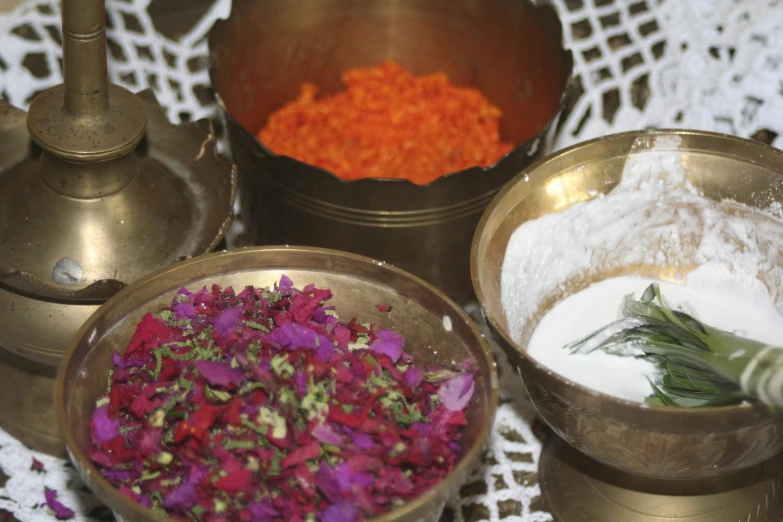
point(389, 123)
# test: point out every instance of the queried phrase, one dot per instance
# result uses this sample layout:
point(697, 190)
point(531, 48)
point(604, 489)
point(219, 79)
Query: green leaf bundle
point(700, 365)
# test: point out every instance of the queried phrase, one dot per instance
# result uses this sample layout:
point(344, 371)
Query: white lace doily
point(704, 64)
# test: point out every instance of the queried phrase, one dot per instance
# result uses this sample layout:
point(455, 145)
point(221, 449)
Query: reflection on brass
point(358, 285)
point(631, 438)
point(579, 489)
point(97, 188)
point(509, 49)
point(26, 399)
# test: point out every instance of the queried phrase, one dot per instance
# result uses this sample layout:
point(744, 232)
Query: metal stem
point(84, 52)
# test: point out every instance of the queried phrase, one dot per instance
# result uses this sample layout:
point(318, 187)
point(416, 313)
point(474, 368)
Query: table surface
point(702, 64)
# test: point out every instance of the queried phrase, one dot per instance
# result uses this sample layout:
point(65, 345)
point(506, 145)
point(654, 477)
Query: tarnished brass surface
point(177, 204)
point(39, 329)
point(126, 233)
point(358, 284)
point(658, 442)
point(260, 55)
point(86, 118)
point(112, 191)
point(97, 188)
point(579, 489)
point(26, 405)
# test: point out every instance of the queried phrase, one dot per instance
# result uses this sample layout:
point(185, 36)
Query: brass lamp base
point(579, 489)
point(26, 406)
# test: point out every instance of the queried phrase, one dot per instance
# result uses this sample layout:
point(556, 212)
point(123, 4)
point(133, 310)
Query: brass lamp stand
point(97, 189)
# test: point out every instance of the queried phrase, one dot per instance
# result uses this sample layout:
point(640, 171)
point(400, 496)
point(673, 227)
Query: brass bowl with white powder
point(687, 445)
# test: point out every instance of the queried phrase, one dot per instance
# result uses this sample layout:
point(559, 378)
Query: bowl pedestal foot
point(579, 489)
point(27, 403)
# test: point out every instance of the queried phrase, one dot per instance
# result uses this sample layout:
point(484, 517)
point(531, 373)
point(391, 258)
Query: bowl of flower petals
point(277, 383)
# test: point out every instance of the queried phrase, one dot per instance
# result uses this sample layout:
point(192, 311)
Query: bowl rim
point(641, 413)
point(567, 91)
point(85, 466)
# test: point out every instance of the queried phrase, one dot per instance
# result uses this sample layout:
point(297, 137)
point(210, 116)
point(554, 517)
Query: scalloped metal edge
point(103, 289)
point(529, 147)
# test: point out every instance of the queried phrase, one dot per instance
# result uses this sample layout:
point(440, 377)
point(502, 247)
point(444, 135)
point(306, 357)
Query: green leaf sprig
point(700, 365)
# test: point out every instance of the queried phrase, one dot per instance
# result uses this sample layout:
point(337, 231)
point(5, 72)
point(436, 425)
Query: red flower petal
point(182, 431)
point(353, 419)
point(233, 414)
point(303, 454)
point(238, 480)
point(37, 465)
point(117, 452)
point(150, 334)
point(202, 420)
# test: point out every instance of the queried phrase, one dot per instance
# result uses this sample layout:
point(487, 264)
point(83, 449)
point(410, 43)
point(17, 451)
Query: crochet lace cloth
point(703, 64)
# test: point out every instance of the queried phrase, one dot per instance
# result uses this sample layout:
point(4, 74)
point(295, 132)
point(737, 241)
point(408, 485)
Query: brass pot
point(656, 442)
point(266, 49)
point(358, 283)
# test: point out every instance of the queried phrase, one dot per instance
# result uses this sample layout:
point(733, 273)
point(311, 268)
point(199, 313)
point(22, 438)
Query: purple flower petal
point(229, 321)
point(469, 365)
point(119, 476)
point(320, 316)
point(182, 498)
point(413, 377)
point(325, 351)
point(186, 292)
point(389, 343)
point(350, 480)
point(340, 512)
point(118, 361)
point(219, 373)
point(326, 481)
point(183, 310)
point(301, 381)
point(293, 336)
point(121, 364)
point(60, 511)
point(455, 393)
point(149, 441)
point(285, 283)
point(326, 434)
point(424, 428)
point(263, 511)
point(185, 496)
point(359, 439)
point(104, 428)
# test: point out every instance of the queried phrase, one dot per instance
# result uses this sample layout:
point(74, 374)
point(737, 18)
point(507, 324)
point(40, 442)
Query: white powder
point(653, 223)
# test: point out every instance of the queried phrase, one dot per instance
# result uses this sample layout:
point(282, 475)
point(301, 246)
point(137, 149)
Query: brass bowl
point(509, 49)
point(657, 442)
point(358, 283)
